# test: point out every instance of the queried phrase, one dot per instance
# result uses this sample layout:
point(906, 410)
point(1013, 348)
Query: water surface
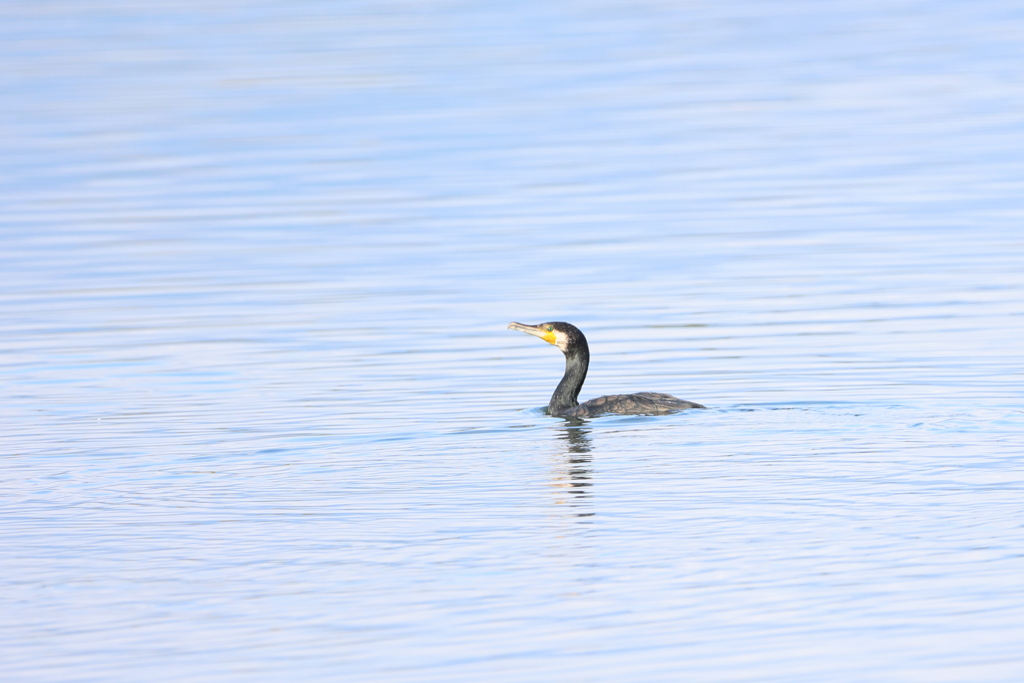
point(262, 420)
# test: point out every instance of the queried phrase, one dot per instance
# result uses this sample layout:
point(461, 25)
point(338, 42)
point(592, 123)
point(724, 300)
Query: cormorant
point(563, 402)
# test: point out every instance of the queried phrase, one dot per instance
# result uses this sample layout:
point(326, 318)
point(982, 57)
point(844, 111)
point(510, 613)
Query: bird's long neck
point(577, 360)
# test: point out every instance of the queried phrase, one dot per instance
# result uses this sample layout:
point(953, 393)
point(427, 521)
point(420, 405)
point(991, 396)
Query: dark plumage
point(564, 401)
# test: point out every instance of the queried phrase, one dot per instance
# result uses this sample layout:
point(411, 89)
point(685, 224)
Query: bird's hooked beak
point(544, 332)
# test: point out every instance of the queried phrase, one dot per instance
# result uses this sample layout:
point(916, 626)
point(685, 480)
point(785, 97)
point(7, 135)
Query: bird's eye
point(550, 328)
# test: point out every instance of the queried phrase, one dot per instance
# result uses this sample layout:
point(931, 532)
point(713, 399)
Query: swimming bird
point(573, 344)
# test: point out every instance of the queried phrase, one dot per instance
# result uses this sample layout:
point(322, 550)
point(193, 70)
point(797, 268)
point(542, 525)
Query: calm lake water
point(261, 419)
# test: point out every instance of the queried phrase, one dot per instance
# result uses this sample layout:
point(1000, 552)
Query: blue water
point(260, 417)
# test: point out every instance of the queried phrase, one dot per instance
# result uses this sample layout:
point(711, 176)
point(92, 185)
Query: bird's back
point(644, 403)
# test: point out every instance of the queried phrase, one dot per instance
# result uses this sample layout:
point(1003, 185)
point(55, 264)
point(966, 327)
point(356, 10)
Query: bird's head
point(562, 335)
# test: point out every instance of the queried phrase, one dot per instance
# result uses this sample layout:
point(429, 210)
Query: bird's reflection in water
point(573, 474)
